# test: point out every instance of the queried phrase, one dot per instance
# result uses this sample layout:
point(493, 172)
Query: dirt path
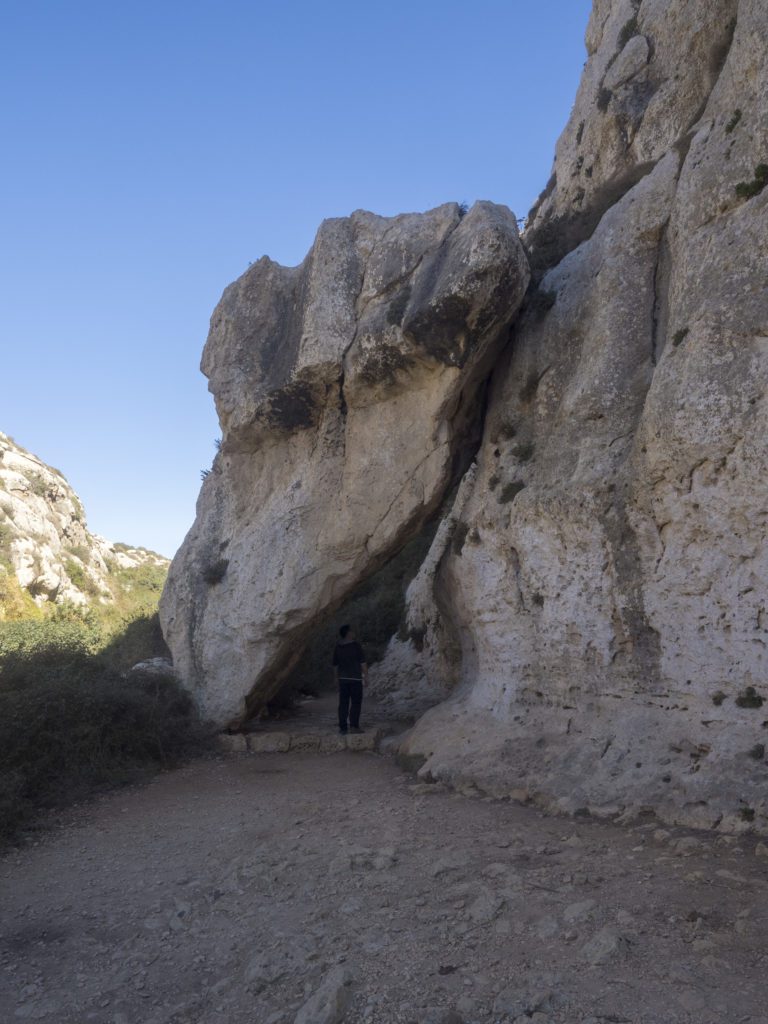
point(227, 892)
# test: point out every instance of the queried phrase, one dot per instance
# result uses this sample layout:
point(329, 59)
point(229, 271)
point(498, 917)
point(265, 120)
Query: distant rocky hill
point(45, 543)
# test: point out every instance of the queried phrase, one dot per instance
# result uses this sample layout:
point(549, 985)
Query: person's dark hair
point(343, 630)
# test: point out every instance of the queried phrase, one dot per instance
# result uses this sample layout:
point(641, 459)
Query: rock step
point(279, 742)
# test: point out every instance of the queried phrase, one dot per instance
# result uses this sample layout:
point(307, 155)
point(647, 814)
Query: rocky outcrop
point(605, 587)
point(45, 543)
point(347, 390)
point(650, 71)
point(589, 630)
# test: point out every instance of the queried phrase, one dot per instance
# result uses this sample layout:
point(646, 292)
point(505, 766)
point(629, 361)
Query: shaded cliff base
point(616, 757)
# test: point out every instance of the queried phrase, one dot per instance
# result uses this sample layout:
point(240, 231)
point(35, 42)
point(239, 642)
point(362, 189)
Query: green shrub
point(748, 189)
point(50, 640)
point(137, 639)
point(70, 724)
point(7, 534)
point(80, 551)
point(15, 602)
point(81, 579)
point(735, 118)
point(628, 30)
point(137, 590)
point(37, 484)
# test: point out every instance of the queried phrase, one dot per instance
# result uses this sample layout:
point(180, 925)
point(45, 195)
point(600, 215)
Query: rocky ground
point(307, 888)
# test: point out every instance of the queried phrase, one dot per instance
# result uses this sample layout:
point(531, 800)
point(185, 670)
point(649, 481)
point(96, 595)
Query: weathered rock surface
point(650, 71)
point(590, 625)
point(346, 390)
point(605, 584)
point(44, 540)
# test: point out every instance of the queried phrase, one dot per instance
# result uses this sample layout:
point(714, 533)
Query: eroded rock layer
point(597, 610)
point(346, 389)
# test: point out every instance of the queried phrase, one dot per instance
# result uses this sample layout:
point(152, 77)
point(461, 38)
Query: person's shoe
point(343, 732)
point(356, 729)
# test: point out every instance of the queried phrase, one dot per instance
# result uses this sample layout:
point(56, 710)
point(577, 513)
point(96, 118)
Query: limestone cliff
point(607, 602)
point(346, 390)
point(590, 625)
point(44, 540)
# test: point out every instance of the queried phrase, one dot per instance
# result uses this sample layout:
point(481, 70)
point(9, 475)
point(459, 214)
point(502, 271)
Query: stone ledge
point(300, 742)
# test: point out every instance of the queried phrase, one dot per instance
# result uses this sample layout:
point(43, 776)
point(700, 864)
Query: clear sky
point(150, 150)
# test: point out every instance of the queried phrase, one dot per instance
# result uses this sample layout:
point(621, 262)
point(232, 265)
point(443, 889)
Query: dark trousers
point(350, 702)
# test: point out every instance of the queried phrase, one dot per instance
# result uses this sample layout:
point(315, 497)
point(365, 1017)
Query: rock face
point(590, 625)
point(602, 594)
point(347, 391)
point(44, 540)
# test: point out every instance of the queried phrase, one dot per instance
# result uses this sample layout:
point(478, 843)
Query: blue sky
point(151, 150)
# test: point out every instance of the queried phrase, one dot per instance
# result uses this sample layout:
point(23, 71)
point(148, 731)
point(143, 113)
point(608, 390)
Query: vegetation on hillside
point(72, 719)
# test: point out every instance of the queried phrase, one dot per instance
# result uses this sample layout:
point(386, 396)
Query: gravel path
point(308, 888)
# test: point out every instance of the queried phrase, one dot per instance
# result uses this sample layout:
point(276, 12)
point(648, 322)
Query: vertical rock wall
point(604, 588)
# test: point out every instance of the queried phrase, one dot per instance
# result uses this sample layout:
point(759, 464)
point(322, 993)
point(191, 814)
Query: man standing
point(350, 670)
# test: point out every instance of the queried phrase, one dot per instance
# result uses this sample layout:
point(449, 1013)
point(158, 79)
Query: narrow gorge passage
point(261, 878)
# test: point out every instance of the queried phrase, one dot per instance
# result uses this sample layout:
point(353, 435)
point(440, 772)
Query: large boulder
point(603, 585)
point(347, 391)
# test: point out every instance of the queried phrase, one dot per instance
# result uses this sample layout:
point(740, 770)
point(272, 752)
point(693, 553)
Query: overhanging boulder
point(345, 388)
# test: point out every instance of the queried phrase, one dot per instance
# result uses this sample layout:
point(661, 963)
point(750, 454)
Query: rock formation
point(590, 625)
point(45, 543)
point(347, 389)
point(607, 599)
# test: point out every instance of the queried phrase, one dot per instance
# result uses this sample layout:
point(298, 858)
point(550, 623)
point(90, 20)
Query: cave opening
point(375, 609)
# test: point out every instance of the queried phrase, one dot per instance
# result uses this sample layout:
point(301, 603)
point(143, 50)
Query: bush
point(628, 30)
point(136, 591)
point(81, 551)
point(80, 578)
point(37, 484)
point(71, 724)
point(15, 602)
point(139, 639)
point(7, 534)
point(748, 189)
